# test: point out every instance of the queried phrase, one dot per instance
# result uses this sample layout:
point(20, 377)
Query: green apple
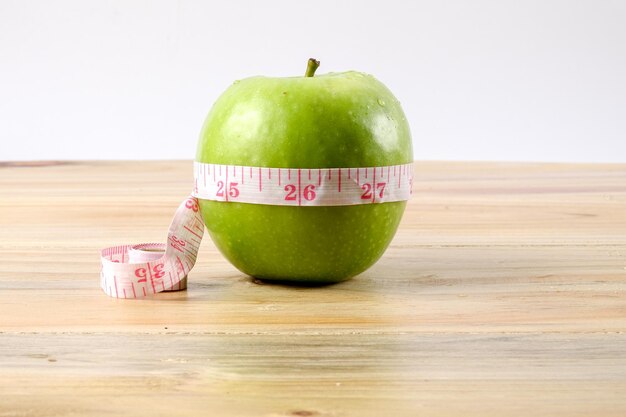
point(336, 120)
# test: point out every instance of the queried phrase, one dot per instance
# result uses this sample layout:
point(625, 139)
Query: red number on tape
point(191, 204)
point(220, 189)
point(157, 271)
point(309, 192)
point(367, 191)
point(291, 192)
point(141, 274)
point(177, 243)
point(381, 188)
point(232, 190)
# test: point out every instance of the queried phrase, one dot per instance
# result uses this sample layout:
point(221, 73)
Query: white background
point(486, 80)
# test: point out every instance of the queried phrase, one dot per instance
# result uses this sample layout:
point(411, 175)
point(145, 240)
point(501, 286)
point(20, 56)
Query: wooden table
point(503, 294)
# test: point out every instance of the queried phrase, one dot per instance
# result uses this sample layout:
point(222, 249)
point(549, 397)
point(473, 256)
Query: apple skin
point(336, 120)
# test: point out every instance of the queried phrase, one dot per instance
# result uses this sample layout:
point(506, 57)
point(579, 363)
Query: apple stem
point(311, 66)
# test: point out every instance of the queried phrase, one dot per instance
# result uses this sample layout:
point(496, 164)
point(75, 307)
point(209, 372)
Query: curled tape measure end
point(138, 271)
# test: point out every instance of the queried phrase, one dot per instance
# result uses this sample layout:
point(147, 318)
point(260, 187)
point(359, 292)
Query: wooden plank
point(503, 293)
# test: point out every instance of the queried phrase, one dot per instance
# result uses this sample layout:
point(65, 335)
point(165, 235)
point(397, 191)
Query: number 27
point(367, 190)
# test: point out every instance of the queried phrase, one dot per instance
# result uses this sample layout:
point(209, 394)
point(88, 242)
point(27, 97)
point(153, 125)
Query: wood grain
point(503, 294)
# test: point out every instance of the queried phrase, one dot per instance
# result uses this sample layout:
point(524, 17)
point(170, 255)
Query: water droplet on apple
point(381, 102)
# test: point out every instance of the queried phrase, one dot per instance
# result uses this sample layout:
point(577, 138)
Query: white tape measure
point(137, 271)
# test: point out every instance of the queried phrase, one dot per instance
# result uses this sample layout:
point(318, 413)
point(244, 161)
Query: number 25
point(233, 191)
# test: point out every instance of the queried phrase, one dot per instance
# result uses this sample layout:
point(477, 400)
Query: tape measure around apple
point(137, 271)
point(352, 133)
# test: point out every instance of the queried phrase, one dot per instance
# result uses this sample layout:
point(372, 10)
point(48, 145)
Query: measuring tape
point(137, 271)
